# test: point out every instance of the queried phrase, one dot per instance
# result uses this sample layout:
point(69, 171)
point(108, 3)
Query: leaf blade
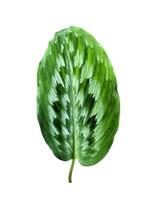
point(78, 102)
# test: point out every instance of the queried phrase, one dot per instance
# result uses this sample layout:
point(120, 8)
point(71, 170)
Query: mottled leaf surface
point(77, 100)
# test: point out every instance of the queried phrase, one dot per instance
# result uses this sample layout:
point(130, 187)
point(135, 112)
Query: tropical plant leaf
point(77, 101)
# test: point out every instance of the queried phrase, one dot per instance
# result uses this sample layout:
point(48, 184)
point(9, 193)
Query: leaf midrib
point(72, 104)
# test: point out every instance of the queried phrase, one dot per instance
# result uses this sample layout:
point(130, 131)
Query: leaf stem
point(71, 170)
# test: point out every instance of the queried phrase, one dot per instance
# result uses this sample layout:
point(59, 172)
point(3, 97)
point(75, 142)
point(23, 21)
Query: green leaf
point(77, 101)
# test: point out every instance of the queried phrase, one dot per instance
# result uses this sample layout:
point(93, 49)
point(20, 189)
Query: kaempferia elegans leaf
point(77, 100)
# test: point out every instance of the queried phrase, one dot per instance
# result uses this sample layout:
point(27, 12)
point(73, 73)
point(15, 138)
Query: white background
point(28, 169)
